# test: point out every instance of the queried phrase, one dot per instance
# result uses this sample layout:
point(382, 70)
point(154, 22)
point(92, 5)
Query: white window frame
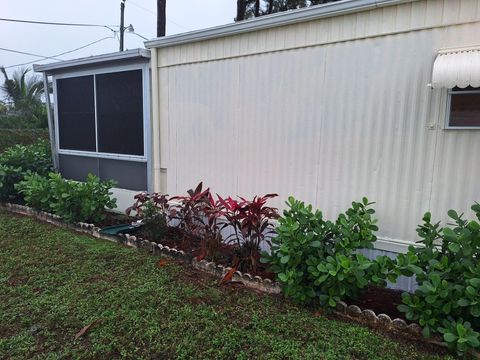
point(146, 111)
point(449, 102)
point(147, 144)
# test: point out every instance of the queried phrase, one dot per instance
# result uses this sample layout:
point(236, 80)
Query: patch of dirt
point(16, 280)
point(380, 300)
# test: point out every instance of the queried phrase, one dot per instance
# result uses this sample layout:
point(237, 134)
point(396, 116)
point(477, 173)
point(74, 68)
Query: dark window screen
point(76, 113)
point(120, 112)
point(465, 108)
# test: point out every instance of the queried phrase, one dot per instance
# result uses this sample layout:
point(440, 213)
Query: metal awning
point(457, 67)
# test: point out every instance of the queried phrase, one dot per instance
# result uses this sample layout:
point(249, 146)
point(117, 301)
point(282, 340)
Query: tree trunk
point(161, 17)
point(257, 8)
point(241, 9)
point(270, 6)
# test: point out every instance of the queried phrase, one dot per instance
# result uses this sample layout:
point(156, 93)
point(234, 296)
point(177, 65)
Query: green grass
point(10, 137)
point(53, 282)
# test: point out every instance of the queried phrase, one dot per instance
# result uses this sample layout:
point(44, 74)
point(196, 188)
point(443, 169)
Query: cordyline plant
point(144, 200)
point(199, 216)
point(153, 210)
point(252, 224)
point(212, 222)
point(189, 210)
point(203, 218)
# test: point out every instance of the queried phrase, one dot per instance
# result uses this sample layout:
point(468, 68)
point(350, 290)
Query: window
point(464, 108)
point(76, 113)
point(120, 112)
point(100, 126)
point(102, 113)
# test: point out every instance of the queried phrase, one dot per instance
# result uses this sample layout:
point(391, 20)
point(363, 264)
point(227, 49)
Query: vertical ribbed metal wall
point(326, 111)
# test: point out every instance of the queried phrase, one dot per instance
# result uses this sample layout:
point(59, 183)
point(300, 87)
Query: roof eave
point(274, 20)
point(93, 60)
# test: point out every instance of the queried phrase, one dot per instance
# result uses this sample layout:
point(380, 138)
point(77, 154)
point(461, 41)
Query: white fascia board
point(274, 20)
point(94, 60)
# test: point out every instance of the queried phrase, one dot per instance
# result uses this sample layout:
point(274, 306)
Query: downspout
point(51, 131)
point(155, 124)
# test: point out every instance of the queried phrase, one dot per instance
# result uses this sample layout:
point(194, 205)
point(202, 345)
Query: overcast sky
point(182, 16)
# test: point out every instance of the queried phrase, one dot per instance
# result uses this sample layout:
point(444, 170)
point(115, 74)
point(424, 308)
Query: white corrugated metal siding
point(327, 111)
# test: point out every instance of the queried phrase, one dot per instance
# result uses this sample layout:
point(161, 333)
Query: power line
point(154, 13)
point(63, 53)
point(175, 23)
point(84, 46)
point(30, 54)
point(55, 23)
point(142, 7)
point(141, 36)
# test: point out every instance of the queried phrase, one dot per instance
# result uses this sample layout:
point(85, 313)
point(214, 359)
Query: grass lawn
point(54, 282)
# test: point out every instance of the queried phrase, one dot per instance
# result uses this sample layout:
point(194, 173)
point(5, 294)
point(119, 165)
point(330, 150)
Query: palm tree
point(247, 9)
point(23, 92)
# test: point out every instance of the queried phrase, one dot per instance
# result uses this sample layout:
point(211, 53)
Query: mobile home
point(376, 98)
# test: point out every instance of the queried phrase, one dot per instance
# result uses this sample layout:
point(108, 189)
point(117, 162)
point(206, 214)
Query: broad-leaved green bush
point(317, 259)
point(72, 200)
point(36, 192)
point(447, 269)
point(18, 161)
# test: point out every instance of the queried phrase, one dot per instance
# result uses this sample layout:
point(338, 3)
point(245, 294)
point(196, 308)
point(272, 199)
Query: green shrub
point(12, 137)
point(447, 270)
point(19, 161)
point(73, 201)
point(317, 259)
point(36, 192)
point(23, 122)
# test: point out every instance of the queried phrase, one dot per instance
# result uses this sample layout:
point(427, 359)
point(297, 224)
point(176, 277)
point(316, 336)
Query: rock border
point(350, 312)
point(250, 281)
point(384, 321)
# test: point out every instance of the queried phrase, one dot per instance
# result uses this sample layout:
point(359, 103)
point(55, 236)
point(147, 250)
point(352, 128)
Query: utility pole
point(161, 17)
point(257, 8)
point(270, 6)
point(241, 8)
point(122, 23)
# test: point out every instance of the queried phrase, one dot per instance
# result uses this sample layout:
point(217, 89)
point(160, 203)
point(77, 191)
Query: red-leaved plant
point(142, 201)
point(252, 223)
point(199, 217)
point(189, 210)
point(153, 210)
point(212, 223)
point(202, 219)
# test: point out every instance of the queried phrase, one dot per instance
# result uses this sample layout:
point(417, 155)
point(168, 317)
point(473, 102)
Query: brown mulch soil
point(380, 300)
